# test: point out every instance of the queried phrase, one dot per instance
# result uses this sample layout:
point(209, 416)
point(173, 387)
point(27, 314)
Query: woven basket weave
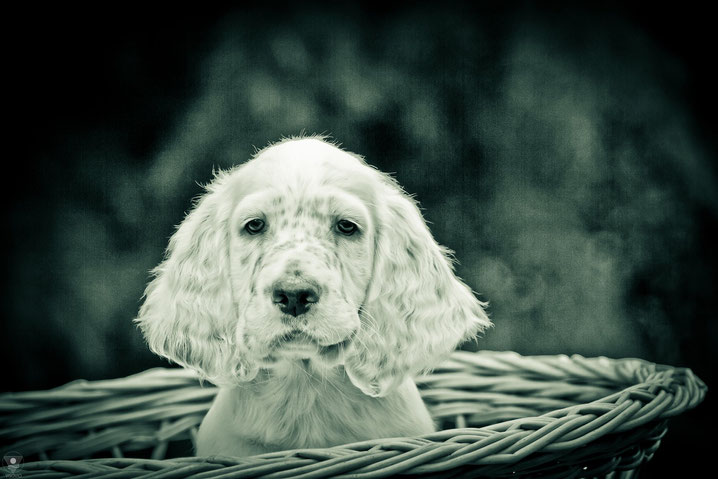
point(500, 414)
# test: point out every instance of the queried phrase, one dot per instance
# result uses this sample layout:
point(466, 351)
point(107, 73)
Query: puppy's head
point(305, 252)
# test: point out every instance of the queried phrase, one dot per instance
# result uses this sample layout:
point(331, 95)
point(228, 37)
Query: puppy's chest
point(298, 413)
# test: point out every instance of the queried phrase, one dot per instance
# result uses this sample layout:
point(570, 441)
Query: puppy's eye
point(346, 227)
point(254, 226)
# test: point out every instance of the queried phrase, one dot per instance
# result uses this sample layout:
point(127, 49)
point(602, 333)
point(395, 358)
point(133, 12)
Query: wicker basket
point(501, 415)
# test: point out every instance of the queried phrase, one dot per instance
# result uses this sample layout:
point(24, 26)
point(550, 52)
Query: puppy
point(307, 286)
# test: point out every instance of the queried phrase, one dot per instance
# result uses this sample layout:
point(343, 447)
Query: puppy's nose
point(294, 299)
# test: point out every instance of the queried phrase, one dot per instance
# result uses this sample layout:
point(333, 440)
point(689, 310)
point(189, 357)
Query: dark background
point(566, 154)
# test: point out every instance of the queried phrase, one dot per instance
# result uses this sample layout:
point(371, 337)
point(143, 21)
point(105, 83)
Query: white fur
point(390, 304)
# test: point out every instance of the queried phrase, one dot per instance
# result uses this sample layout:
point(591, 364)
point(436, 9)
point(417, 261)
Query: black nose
point(294, 300)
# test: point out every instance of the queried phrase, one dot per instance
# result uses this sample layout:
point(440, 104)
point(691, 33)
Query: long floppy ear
point(188, 315)
point(416, 311)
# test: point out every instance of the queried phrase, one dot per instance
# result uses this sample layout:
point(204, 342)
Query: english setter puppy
point(307, 286)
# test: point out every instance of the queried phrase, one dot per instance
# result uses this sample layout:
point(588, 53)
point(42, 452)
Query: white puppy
point(307, 286)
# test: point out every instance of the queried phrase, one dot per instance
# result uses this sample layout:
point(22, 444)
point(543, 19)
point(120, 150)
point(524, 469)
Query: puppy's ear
point(417, 311)
point(188, 315)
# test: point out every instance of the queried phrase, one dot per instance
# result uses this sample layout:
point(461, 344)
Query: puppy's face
point(301, 255)
point(306, 252)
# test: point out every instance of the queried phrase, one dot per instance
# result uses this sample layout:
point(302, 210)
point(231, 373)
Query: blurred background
point(566, 154)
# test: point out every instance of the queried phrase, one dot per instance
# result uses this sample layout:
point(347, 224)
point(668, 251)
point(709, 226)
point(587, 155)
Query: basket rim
point(649, 394)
